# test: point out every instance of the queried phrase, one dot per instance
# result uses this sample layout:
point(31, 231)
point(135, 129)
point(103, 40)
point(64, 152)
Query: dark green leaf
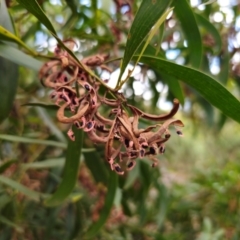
point(190, 28)
point(96, 166)
point(174, 87)
point(8, 86)
point(70, 170)
point(6, 165)
point(224, 66)
point(8, 71)
point(72, 5)
point(148, 14)
point(43, 105)
point(208, 87)
point(34, 8)
point(112, 187)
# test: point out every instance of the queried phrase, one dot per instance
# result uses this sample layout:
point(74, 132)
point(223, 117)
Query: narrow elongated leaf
point(109, 200)
point(211, 29)
point(34, 8)
point(72, 5)
point(14, 138)
point(19, 57)
point(174, 87)
point(8, 86)
point(6, 165)
point(96, 166)
point(50, 163)
point(5, 35)
point(224, 66)
point(190, 28)
point(153, 32)
point(148, 14)
point(209, 88)
point(42, 105)
point(172, 82)
point(4, 200)
point(22, 189)
point(5, 20)
point(70, 170)
point(8, 70)
point(9, 223)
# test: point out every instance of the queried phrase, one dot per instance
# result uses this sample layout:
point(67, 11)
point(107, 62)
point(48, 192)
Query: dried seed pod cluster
point(75, 90)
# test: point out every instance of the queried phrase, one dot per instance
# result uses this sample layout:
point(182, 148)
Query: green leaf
point(8, 70)
point(14, 138)
point(173, 83)
point(148, 14)
point(70, 170)
point(190, 28)
point(8, 86)
point(210, 28)
point(5, 35)
point(43, 105)
point(162, 203)
point(49, 163)
point(34, 8)
point(208, 87)
point(72, 5)
point(5, 20)
point(9, 223)
point(6, 165)
point(174, 87)
point(22, 189)
point(96, 165)
point(4, 200)
point(149, 38)
point(109, 200)
point(19, 57)
point(224, 66)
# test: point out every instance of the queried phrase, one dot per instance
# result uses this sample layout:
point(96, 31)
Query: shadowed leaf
point(70, 170)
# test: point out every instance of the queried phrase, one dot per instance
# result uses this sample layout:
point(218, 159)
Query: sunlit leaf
point(148, 14)
point(149, 38)
point(5, 35)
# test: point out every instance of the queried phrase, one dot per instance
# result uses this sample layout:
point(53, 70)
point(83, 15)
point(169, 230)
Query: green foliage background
point(52, 188)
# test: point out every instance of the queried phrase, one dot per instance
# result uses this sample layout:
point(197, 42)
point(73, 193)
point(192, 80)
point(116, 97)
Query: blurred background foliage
point(194, 193)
